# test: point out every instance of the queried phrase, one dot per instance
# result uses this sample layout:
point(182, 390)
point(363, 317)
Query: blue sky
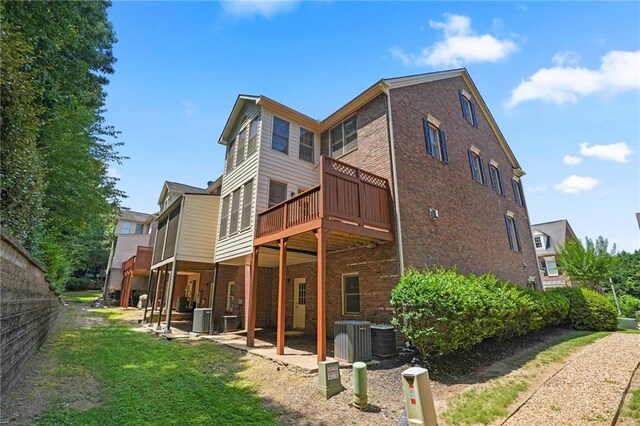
point(561, 79)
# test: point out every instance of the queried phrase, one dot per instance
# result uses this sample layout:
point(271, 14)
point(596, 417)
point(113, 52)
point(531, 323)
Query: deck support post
point(146, 303)
point(321, 235)
point(214, 287)
point(172, 286)
point(164, 290)
point(251, 303)
point(282, 293)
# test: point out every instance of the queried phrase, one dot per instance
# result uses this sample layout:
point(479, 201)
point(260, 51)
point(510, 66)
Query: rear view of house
point(320, 218)
point(547, 237)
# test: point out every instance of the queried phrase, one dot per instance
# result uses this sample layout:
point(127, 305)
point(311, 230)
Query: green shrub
point(443, 310)
point(588, 310)
point(75, 283)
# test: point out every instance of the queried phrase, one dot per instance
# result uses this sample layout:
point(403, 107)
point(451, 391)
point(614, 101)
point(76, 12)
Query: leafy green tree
point(57, 195)
point(590, 264)
point(627, 275)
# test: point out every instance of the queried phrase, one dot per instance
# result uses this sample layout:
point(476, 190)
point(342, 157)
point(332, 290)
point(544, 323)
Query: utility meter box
point(418, 398)
point(329, 379)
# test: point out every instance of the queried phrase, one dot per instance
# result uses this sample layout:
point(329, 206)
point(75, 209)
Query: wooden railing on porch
point(346, 193)
point(140, 262)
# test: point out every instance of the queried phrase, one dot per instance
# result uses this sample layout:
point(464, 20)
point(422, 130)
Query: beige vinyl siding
point(127, 246)
point(241, 243)
point(282, 167)
point(198, 225)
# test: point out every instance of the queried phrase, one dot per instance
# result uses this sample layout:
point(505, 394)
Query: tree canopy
point(57, 196)
point(591, 264)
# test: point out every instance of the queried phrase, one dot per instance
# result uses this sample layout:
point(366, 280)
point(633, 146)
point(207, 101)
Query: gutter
point(394, 175)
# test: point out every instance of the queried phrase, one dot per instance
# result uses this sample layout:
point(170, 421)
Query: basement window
point(350, 294)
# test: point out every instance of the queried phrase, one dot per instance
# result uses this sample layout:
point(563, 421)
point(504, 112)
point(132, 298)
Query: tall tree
point(590, 264)
point(66, 49)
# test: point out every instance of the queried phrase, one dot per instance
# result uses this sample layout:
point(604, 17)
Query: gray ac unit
point(383, 340)
point(201, 320)
point(352, 341)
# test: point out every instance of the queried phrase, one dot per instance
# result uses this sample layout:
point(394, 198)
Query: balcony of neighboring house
point(182, 263)
point(350, 208)
point(135, 271)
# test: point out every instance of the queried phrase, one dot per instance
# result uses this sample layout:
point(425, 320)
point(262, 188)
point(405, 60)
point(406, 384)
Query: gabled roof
point(558, 231)
point(381, 86)
point(132, 216)
point(180, 188)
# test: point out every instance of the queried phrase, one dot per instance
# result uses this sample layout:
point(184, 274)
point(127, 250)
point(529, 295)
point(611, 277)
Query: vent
point(201, 320)
point(433, 213)
point(352, 341)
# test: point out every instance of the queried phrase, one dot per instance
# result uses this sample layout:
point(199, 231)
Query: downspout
point(394, 175)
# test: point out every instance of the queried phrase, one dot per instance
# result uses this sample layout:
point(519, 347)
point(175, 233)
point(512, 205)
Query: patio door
point(299, 302)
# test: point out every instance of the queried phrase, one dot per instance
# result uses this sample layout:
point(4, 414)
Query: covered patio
point(350, 208)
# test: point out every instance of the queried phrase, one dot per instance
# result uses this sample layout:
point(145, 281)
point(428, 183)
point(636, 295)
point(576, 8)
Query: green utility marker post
point(329, 376)
point(360, 385)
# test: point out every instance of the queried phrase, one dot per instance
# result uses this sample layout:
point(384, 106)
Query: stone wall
point(28, 309)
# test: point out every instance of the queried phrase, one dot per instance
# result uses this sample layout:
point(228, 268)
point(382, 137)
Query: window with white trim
point(247, 194)
point(344, 137)
point(476, 165)
point(231, 293)
point(517, 192)
point(350, 294)
point(435, 141)
point(538, 241)
point(306, 145)
point(496, 179)
point(125, 227)
point(512, 232)
point(468, 108)
point(224, 217)
point(551, 266)
point(280, 135)
point(139, 228)
point(235, 211)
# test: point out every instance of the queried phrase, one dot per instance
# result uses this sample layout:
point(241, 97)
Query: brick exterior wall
point(378, 270)
point(470, 233)
point(29, 310)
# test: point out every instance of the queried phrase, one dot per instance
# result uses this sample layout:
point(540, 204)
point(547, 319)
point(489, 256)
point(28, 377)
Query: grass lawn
point(86, 296)
point(633, 408)
point(145, 380)
point(486, 404)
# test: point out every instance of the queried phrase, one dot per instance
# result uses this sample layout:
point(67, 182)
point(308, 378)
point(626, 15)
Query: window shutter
point(324, 144)
point(427, 137)
point(473, 114)
point(492, 176)
point(443, 147)
point(482, 175)
point(462, 104)
point(473, 172)
point(509, 236)
point(500, 183)
point(515, 229)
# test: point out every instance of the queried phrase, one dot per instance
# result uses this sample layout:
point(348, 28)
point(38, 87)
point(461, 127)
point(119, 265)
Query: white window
point(247, 193)
point(350, 294)
point(552, 266)
point(538, 241)
point(277, 192)
point(235, 211)
point(224, 217)
point(126, 227)
point(253, 135)
point(306, 145)
point(231, 294)
point(280, 136)
point(344, 137)
point(242, 139)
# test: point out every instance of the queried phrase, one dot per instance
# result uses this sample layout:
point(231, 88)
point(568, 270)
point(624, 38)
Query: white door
point(299, 301)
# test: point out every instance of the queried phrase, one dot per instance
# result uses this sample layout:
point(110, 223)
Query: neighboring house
point(133, 233)
point(546, 239)
point(182, 264)
point(320, 218)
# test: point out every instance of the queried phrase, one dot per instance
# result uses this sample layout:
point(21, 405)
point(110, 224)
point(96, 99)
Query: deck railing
point(140, 262)
point(345, 193)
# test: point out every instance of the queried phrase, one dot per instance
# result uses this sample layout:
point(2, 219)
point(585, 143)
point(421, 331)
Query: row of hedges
point(443, 310)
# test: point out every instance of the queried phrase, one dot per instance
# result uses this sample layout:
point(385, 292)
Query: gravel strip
point(588, 390)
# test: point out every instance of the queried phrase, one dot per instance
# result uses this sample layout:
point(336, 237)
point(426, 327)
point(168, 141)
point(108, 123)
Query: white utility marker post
point(418, 399)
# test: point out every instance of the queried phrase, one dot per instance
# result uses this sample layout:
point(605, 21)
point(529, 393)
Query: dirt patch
point(45, 384)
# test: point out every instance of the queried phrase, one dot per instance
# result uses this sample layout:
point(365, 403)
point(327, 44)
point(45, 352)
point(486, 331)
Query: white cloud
point(574, 184)
point(566, 57)
point(460, 46)
point(619, 72)
point(265, 8)
point(570, 160)
point(617, 152)
point(539, 188)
